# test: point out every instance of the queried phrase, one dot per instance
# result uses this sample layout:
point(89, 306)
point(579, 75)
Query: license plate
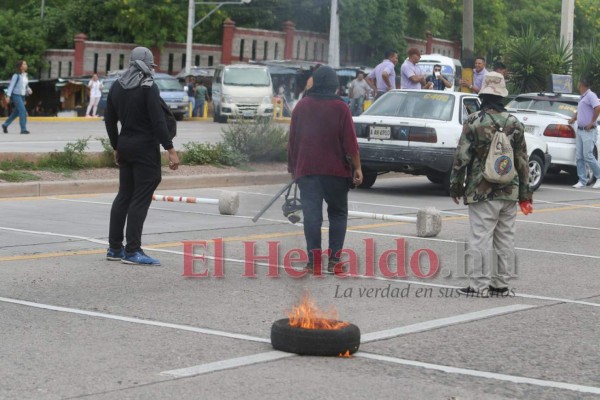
point(529, 128)
point(248, 113)
point(380, 132)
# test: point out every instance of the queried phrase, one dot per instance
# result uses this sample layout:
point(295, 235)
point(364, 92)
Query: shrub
point(206, 153)
point(72, 157)
point(16, 164)
point(18, 176)
point(588, 65)
point(260, 140)
point(531, 59)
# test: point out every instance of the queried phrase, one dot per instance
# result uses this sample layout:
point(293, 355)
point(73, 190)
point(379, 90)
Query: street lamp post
point(192, 24)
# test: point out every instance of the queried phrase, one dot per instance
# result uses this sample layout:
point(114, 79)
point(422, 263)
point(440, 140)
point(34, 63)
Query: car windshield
point(168, 85)
point(106, 85)
point(562, 106)
point(425, 105)
point(246, 77)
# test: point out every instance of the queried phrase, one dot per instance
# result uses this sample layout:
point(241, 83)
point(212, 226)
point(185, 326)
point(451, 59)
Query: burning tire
point(314, 342)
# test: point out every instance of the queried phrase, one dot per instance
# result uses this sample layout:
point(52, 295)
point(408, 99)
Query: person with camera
point(321, 140)
point(18, 90)
point(437, 80)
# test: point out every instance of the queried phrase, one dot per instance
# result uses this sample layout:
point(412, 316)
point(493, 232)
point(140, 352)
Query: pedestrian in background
point(134, 101)
point(190, 89)
point(201, 98)
point(492, 206)
point(411, 75)
point(96, 87)
point(478, 73)
point(437, 79)
point(586, 116)
point(18, 90)
point(321, 140)
point(359, 88)
point(383, 77)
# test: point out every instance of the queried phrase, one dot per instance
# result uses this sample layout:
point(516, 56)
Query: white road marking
point(228, 364)
point(569, 204)
point(135, 320)
point(442, 322)
point(482, 374)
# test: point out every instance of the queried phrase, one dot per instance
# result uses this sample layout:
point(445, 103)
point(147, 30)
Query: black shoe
point(336, 270)
point(494, 291)
point(24, 132)
point(4, 128)
point(470, 292)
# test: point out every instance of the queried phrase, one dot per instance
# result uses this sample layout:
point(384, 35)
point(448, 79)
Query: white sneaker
point(579, 185)
point(597, 184)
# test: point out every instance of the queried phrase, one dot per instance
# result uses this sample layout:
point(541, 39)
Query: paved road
point(73, 325)
point(53, 136)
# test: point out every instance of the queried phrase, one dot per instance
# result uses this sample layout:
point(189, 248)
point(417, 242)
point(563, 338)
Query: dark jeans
point(334, 190)
point(139, 176)
point(19, 110)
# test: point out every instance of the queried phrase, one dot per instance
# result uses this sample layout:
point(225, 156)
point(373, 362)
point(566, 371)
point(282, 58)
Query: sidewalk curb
point(54, 188)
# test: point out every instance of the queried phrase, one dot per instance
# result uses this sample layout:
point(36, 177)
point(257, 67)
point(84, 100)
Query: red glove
point(526, 206)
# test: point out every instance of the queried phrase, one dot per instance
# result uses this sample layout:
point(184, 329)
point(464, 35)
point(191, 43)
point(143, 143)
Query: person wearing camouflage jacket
point(492, 207)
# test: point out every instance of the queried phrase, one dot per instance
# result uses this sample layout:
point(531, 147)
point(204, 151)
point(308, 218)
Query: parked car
point(417, 131)
point(546, 115)
point(170, 90)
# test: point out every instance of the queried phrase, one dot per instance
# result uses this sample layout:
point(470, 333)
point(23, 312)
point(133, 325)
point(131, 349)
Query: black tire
point(178, 117)
point(436, 177)
point(216, 114)
point(369, 178)
point(536, 171)
point(314, 342)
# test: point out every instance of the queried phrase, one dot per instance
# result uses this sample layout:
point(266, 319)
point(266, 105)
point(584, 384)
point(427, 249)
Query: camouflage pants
point(491, 244)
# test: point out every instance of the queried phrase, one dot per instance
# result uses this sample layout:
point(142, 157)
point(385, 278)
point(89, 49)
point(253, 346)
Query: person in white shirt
point(95, 86)
point(18, 90)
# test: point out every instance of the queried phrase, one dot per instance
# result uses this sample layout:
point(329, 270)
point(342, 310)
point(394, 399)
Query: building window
point(242, 44)
point(108, 59)
point(306, 51)
point(266, 50)
point(197, 61)
point(322, 51)
point(95, 62)
point(49, 69)
point(298, 50)
point(183, 58)
point(70, 67)
point(210, 61)
point(59, 69)
point(314, 50)
point(170, 69)
point(121, 61)
point(254, 50)
point(276, 52)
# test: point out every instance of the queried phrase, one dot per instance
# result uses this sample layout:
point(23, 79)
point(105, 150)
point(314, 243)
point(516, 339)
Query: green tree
point(22, 38)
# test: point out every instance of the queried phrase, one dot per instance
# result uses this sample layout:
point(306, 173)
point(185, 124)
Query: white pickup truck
point(546, 115)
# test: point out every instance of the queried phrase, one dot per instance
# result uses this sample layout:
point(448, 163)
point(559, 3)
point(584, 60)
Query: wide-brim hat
point(493, 83)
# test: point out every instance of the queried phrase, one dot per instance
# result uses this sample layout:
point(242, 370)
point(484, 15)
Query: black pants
point(139, 176)
point(334, 190)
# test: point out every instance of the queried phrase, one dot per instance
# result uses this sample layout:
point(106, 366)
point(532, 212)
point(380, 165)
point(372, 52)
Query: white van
point(451, 68)
point(243, 90)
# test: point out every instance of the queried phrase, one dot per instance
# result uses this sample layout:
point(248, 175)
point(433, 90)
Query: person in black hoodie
point(134, 101)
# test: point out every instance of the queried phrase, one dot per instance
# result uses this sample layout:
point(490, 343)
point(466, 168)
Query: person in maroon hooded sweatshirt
point(323, 159)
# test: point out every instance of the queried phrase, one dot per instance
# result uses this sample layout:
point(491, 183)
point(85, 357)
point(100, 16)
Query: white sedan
point(417, 131)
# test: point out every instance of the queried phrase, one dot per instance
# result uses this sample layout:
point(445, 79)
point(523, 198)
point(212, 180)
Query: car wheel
point(369, 178)
point(436, 177)
point(536, 171)
point(314, 342)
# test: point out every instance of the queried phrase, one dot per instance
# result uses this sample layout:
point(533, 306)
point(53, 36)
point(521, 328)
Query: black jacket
point(143, 124)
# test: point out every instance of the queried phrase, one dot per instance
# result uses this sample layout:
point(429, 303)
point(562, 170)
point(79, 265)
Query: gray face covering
point(140, 69)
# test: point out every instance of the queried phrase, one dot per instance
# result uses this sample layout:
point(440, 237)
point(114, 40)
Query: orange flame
point(345, 355)
point(308, 316)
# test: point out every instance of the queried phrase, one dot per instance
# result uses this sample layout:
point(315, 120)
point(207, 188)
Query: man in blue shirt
point(478, 74)
point(383, 77)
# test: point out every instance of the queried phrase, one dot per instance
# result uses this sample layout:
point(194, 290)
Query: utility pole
point(334, 36)
point(468, 46)
point(192, 24)
point(566, 22)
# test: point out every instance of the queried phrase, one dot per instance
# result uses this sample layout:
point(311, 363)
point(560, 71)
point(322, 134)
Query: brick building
point(238, 45)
